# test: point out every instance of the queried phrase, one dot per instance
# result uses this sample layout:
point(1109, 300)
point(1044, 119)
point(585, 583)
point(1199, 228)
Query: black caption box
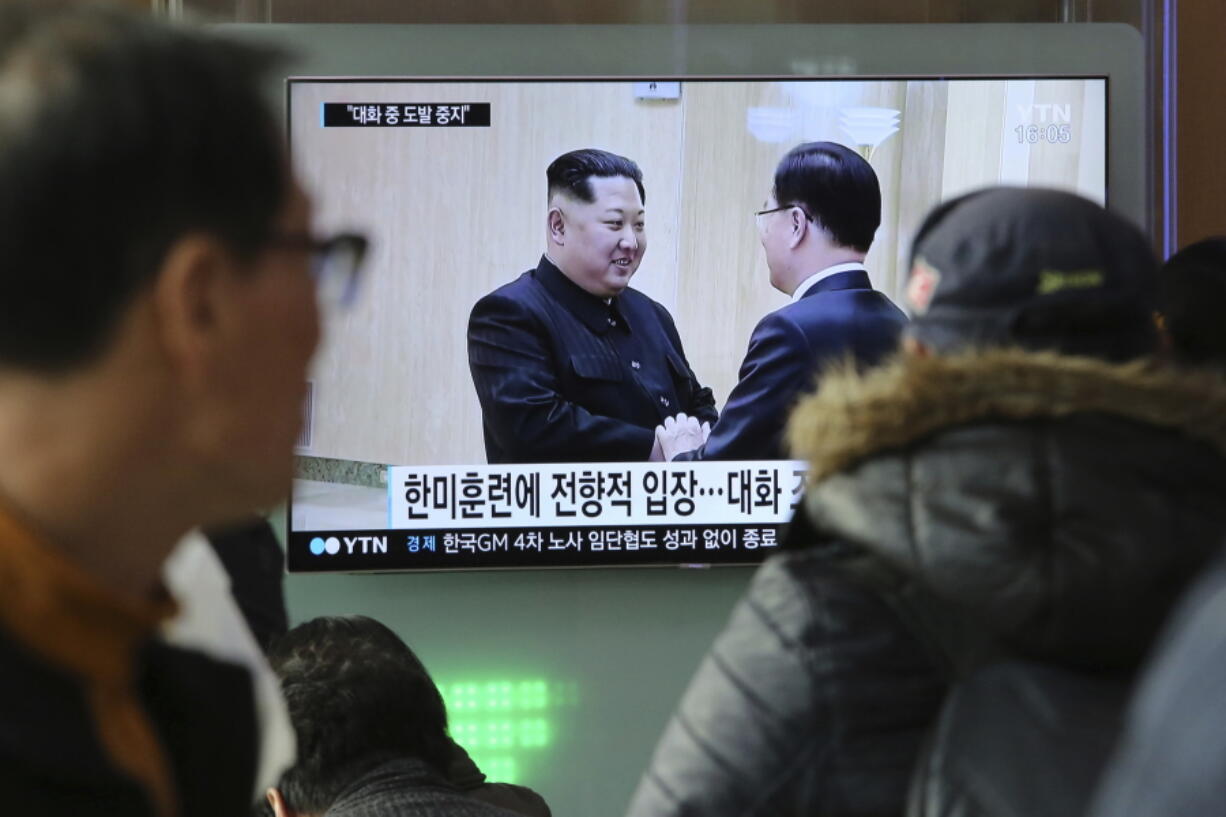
point(405, 115)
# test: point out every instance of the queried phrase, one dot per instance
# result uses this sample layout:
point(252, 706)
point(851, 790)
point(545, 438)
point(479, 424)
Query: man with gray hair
point(157, 315)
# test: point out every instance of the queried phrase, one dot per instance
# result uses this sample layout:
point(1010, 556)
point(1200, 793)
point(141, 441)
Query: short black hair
point(836, 187)
point(571, 173)
point(1191, 296)
point(357, 697)
point(118, 136)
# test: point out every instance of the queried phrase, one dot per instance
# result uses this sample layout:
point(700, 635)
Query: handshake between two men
point(677, 435)
point(572, 364)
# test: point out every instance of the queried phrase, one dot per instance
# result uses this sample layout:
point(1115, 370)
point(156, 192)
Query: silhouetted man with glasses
point(157, 316)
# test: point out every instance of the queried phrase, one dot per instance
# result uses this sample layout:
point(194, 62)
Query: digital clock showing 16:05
point(1056, 134)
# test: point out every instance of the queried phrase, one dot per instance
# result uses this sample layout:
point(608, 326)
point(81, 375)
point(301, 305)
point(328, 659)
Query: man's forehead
point(605, 198)
point(623, 210)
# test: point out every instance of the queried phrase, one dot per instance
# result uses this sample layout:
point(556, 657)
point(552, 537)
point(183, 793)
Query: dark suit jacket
point(839, 315)
point(253, 559)
point(564, 377)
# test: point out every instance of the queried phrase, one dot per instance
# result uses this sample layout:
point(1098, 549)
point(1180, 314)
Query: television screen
point(447, 177)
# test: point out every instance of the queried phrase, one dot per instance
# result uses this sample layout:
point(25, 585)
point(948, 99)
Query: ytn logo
point(333, 545)
point(1046, 112)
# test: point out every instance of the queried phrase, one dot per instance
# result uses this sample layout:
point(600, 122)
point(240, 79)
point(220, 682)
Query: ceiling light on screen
point(869, 127)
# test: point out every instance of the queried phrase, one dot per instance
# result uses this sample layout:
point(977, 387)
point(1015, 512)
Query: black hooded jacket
point(962, 510)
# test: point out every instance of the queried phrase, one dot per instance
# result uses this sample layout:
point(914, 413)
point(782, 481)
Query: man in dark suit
point(569, 363)
point(816, 228)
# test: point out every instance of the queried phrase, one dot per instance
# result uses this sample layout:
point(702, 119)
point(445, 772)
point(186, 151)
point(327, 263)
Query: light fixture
point(773, 125)
point(869, 127)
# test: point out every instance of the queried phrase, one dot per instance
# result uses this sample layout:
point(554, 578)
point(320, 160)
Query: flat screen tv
point(434, 142)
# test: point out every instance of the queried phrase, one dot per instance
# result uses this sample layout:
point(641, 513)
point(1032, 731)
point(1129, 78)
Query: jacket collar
point(387, 785)
point(62, 613)
point(591, 310)
point(59, 612)
point(850, 279)
point(855, 415)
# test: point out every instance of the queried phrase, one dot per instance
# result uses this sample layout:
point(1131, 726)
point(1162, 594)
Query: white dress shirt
point(808, 283)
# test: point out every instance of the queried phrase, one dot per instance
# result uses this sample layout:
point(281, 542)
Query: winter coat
point(962, 509)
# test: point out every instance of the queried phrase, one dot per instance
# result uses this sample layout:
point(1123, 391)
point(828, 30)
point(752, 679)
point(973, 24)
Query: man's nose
point(629, 240)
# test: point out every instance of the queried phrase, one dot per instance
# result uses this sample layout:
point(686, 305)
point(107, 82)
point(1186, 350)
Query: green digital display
point(505, 725)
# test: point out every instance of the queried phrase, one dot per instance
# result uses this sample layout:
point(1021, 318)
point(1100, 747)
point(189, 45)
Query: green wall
point(561, 680)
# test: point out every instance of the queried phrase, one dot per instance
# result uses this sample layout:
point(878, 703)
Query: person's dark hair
point(118, 136)
point(357, 697)
point(571, 173)
point(1191, 295)
point(836, 187)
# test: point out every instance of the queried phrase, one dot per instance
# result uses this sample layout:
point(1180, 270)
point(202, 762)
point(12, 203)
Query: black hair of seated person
point(357, 697)
point(1191, 297)
point(836, 187)
point(571, 173)
point(119, 135)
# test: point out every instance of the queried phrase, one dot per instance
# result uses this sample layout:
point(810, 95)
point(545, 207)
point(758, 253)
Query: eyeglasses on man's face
point(760, 214)
point(336, 262)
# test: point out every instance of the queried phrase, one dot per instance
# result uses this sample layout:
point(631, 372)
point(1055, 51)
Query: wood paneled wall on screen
point(456, 212)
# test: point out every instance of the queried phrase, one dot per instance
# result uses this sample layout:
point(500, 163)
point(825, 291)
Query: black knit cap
point(1040, 269)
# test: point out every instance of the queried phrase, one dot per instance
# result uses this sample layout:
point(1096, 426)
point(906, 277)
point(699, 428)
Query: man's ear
point(189, 298)
point(1164, 337)
point(277, 803)
point(557, 226)
point(800, 225)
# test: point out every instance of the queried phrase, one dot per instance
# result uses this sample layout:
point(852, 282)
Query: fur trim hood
point(1060, 504)
point(855, 415)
